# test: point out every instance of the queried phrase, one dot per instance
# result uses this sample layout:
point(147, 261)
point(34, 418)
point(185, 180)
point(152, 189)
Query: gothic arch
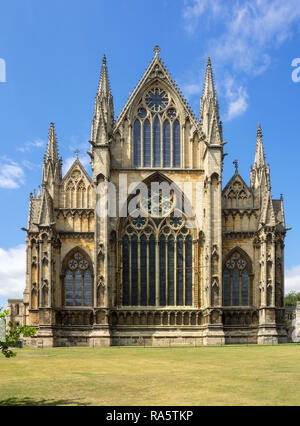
point(237, 278)
point(155, 255)
point(77, 278)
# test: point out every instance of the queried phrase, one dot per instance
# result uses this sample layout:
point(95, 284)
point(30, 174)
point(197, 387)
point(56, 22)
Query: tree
point(292, 298)
point(12, 334)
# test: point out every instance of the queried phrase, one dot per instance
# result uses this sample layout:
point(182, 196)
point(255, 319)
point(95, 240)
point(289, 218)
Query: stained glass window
point(137, 143)
point(236, 281)
point(78, 282)
point(245, 288)
point(156, 100)
point(125, 254)
point(236, 288)
point(144, 270)
point(176, 144)
point(147, 144)
point(152, 270)
point(162, 271)
point(156, 143)
point(188, 271)
point(171, 298)
point(167, 144)
point(152, 132)
point(87, 288)
point(134, 271)
point(179, 277)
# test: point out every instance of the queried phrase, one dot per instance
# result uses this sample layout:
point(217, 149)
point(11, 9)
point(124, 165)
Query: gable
point(76, 188)
point(237, 194)
point(158, 76)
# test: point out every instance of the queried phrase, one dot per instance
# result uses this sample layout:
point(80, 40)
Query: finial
point(236, 164)
point(156, 50)
point(77, 152)
point(104, 59)
point(208, 62)
point(39, 192)
point(259, 132)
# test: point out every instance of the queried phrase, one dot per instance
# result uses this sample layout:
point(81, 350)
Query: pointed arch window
point(176, 144)
point(156, 138)
point(156, 259)
point(78, 281)
point(147, 144)
point(167, 144)
point(236, 280)
point(156, 143)
point(137, 143)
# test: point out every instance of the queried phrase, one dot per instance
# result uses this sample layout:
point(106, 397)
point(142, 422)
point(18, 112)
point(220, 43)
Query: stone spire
point(104, 109)
point(52, 168)
point(260, 173)
point(52, 151)
point(259, 160)
point(209, 109)
point(209, 86)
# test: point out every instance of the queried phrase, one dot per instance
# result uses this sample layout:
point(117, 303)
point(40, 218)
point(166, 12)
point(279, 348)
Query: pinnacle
point(104, 86)
point(52, 151)
point(259, 154)
point(209, 87)
point(259, 131)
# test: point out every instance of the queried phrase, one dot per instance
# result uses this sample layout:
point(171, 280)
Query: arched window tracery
point(157, 132)
point(156, 258)
point(78, 280)
point(236, 280)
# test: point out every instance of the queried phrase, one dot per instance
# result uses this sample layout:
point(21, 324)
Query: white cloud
point(11, 174)
point(37, 143)
point(12, 271)
point(249, 30)
point(237, 99)
point(193, 9)
point(292, 279)
point(192, 89)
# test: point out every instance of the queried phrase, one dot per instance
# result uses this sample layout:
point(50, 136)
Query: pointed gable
point(237, 194)
point(157, 73)
point(76, 191)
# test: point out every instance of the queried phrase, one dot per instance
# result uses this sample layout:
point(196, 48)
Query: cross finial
point(156, 50)
point(236, 164)
point(77, 152)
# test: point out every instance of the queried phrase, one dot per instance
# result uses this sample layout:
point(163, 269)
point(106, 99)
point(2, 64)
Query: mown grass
point(229, 375)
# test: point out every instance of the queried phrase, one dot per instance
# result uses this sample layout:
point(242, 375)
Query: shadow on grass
point(30, 402)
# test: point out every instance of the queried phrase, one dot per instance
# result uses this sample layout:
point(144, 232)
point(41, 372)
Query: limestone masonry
point(164, 278)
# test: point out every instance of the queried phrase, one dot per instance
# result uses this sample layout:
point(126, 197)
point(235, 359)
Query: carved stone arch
point(240, 264)
point(243, 254)
point(215, 178)
point(83, 269)
point(71, 253)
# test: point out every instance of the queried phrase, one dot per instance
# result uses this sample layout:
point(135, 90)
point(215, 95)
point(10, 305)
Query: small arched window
point(236, 280)
point(78, 281)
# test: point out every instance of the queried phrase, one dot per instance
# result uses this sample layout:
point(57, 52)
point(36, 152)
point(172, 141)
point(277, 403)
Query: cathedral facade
point(152, 249)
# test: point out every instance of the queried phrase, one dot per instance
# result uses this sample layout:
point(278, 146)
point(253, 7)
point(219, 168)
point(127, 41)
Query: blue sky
point(53, 51)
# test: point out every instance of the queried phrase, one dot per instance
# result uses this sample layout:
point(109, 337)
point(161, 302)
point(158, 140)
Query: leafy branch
point(12, 334)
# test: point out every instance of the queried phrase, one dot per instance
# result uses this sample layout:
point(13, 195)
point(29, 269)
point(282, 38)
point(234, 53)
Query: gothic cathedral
point(198, 264)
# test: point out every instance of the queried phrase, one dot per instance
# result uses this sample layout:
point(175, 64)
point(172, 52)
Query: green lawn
point(230, 375)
